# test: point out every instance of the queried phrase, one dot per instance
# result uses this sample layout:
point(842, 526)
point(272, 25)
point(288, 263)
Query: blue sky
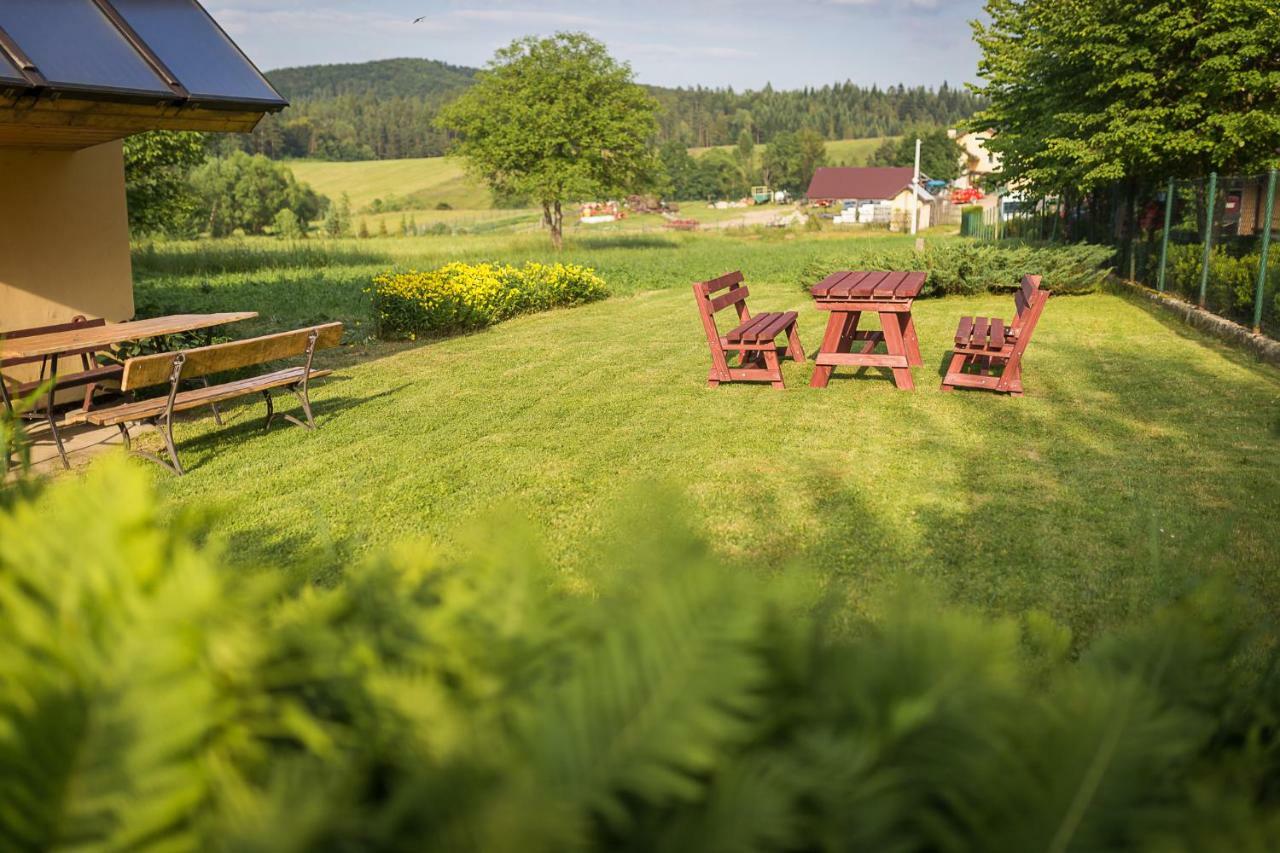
point(710, 42)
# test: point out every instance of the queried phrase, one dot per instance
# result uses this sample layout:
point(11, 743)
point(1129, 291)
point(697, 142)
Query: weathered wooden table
point(846, 295)
point(52, 345)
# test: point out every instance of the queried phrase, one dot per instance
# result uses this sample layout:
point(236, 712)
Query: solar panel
point(196, 50)
point(75, 46)
point(9, 72)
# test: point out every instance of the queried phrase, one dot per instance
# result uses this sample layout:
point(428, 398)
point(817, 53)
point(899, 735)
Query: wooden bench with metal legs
point(988, 354)
point(173, 367)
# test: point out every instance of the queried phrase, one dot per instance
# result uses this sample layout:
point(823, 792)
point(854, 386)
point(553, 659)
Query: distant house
point(977, 162)
point(871, 194)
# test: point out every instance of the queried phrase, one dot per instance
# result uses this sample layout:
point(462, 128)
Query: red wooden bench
point(984, 345)
point(753, 339)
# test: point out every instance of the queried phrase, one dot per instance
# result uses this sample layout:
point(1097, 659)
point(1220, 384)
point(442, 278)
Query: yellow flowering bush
point(459, 297)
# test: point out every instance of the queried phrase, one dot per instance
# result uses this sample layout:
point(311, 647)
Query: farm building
point(76, 77)
point(871, 194)
point(977, 162)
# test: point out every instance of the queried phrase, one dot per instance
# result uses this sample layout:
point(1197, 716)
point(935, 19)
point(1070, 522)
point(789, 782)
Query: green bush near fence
point(966, 267)
point(153, 700)
point(460, 297)
point(1233, 282)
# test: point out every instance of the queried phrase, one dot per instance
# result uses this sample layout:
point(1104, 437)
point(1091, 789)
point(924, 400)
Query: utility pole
point(915, 193)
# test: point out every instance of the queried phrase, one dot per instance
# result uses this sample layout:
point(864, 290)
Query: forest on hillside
point(386, 110)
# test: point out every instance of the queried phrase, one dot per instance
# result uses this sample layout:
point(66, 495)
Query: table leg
point(49, 413)
point(831, 342)
point(910, 339)
point(896, 346)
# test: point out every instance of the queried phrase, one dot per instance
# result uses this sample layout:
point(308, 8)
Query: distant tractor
point(761, 195)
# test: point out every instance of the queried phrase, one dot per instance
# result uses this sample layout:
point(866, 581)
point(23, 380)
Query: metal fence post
point(1266, 248)
point(1208, 235)
point(1164, 240)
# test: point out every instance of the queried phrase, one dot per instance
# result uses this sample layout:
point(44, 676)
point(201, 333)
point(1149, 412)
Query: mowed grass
point(1141, 462)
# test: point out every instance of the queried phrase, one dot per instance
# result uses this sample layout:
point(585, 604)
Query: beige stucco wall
point(64, 236)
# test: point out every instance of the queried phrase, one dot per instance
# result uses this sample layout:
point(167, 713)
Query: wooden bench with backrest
point(753, 339)
point(90, 377)
point(984, 346)
point(149, 371)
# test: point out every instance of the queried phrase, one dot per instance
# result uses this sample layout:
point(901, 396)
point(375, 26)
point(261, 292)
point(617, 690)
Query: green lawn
point(1141, 460)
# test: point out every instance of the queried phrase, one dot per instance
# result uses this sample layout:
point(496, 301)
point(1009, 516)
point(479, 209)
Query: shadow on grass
point(624, 241)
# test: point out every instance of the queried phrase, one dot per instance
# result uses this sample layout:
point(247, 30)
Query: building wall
point(902, 211)
point(64, 236)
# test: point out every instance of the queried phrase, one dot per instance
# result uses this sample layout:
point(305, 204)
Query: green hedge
point(1233, 282)
point(460, 297)
point(966, 267)
point(153, 699)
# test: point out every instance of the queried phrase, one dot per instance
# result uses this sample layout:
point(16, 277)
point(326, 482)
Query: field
point(430, 181)
point(1136, 466)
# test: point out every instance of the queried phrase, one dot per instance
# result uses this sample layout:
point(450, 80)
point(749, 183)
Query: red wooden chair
point(984, 346)
point(753, 339)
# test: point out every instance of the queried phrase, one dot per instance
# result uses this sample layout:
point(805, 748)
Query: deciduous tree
point(555, 119)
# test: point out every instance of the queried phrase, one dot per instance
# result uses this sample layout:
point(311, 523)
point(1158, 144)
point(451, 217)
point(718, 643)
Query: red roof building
point(869, 183)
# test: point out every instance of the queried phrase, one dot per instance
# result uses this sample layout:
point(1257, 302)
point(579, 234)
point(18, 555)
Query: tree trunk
point(555, 218)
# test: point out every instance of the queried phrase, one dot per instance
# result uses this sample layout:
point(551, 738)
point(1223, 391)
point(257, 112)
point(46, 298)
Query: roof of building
point(147, 59)
point(148, 50)
point(868, 182)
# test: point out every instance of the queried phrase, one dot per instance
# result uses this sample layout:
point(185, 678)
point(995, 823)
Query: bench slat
point(724, 300)
point(997, 333)
point(726, 280)
point(198, 397)
point(746, 332)
point(71, 380)
point(964, 332)
point(148, 370)
point(775, 326)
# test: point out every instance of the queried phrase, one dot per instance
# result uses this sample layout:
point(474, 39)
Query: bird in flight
point(418, 20)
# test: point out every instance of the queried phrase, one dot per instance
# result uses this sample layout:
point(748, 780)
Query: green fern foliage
point(151, 699)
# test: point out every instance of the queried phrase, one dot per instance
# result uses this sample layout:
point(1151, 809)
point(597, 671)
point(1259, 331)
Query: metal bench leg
point(217, 415)
point(271, 410)
point(305, 399)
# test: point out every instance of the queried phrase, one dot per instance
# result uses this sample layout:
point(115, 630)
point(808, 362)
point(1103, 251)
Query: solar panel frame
point(199, 53)
point(83, 51)
point(10, 74)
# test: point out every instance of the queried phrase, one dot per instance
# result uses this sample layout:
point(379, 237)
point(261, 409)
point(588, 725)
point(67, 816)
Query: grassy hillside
point(840, 152)
point(427, 181)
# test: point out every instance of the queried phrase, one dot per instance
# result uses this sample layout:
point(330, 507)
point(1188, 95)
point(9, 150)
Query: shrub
point(967, 267)
point(152, 699)
point(1232, 281)
point(459, 297)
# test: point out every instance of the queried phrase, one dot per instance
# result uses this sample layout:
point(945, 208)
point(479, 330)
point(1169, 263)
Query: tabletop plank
point(100, 337)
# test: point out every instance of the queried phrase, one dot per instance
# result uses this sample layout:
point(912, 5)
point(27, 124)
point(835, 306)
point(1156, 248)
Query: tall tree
point(1086, 93)
point(555, 119)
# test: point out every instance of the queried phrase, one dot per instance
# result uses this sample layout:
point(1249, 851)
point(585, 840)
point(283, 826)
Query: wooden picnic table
point(100, 337)
point(846, 295)
point(52, 346)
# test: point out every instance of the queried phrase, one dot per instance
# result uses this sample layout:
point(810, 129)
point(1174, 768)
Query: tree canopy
point(555, 119)
point(1086, 93)
point(386, 109)
point(156, 167)
point(791, 159)
point(939, 153)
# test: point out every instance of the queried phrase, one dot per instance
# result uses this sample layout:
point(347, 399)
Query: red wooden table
point(847, 295)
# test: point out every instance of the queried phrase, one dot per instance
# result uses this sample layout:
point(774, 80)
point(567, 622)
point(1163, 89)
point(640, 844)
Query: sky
point(788, 43)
